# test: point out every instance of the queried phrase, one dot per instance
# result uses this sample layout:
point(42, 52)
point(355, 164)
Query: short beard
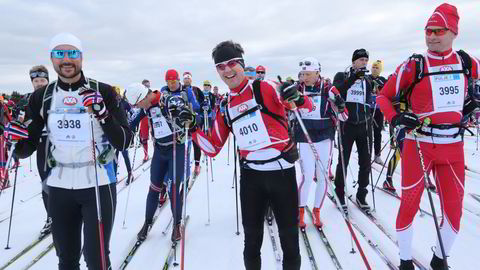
point(75, 73)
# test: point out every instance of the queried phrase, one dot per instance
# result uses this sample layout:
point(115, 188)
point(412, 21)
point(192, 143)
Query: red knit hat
point(446, 16)
point(171, 74)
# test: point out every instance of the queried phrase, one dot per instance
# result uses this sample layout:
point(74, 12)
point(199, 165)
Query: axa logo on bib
point(242, 108)
point(70, 101)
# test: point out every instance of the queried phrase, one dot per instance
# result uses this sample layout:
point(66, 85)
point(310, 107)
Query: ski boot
point(269, 216)
point(145, 159)
point(437, 263)
point(301, 217)
point(362, 203)
point(142, 234)
point(378, 160)
point(176, 233)
point(431, 187)
point(47, 228)
point(388, 186)
point(129, 178)
point(406, 265)
point(316, 218)
point(330, 174)
point(163, 196)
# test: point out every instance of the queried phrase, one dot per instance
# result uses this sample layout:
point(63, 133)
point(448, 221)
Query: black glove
point(289, 93)
point(186, 117)
point(360, 73)
point(339, 103)
point(406, 119)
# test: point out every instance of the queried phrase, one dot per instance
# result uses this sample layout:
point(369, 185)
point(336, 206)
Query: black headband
point(226, 53)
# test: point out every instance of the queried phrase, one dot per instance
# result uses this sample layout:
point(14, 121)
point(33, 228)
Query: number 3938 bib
point(160, 126)
point(448, 90)
point(70, 129)
point(250, 130)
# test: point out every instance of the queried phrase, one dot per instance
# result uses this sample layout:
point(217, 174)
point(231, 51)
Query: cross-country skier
point(435, 86)
point(161, 108)
point(320, 127)
point(65, 108)
point(378, 83)
point(260, 71)
point(255, 114)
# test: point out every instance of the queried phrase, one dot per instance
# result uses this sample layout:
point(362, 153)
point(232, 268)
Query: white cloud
point(127, 41)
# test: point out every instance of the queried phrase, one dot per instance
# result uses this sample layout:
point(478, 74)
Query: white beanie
point(310, 64)
point(135, 92)
point(65, 39)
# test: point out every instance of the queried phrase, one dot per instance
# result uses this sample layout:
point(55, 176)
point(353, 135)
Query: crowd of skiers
point(77, 126)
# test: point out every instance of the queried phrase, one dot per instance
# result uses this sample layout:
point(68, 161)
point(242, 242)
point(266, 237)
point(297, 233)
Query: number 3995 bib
point(250, 130)
point(448, 90)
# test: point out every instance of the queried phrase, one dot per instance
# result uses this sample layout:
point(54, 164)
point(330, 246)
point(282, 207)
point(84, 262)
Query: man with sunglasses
point(321, 129)
point(442, 95)
point(356, 90)
point(161, 108)
point(73, 108)
point(260, 70)
point(255, 113)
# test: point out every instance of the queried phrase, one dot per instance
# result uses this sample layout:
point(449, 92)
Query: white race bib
point(161, 129)
point(315, 114)
point(448, 90)
point(250, 130)
point(70, 129)
point(356, 93)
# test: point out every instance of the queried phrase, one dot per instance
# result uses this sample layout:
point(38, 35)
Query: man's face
point(207, 87)
point(260, 75)
point(310, 77)
point(146, 102)
point(215, 90)
point(39, 82)
point(65, 67)
point(147, 84)
point(173, 85)
point(231, 72)
point(360, 63)
point(440, 40)
point(187, 81)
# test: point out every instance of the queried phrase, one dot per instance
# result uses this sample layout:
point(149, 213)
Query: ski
point(311, 258)
point(380, 226)
point(31, 197)
point(276, 251)
point(138, 243)
point(25, 250)
point(326, 243)
point(173, 251)
point(39, 256)
point(374, 246)
point(472, 170)
point(475, 196)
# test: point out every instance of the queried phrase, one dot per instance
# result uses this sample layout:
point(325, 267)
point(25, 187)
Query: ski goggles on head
point(230, 63)
point(438, 32)
point(305, 63)
point(38, 74)
point(60, 54)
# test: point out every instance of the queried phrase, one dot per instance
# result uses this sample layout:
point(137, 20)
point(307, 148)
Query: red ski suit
point(432, 97)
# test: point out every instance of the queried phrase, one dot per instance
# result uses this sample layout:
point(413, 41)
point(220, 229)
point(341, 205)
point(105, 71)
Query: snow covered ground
point(216, 246)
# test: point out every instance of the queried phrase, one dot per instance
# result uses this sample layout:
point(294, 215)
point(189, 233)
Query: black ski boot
point(47, 228)
point(129, 178)
point(142, 234)
point(406, 265)
point(437, 263)
point(269, 216)
point(343, 205)
point(363, 203)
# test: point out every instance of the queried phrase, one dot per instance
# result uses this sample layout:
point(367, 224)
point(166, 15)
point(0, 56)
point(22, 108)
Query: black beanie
point(359, 53)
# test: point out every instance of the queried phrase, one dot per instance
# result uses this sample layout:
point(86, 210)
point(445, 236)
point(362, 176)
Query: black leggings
point(279, 189)
point(197, 153)
point(72, 208)
point(377, 132)
point(43, 170)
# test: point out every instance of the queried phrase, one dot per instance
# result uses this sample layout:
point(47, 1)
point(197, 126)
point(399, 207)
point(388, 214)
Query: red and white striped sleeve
point(212, 143)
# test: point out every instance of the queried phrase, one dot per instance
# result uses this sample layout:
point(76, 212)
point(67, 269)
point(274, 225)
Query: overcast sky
point(127, 41)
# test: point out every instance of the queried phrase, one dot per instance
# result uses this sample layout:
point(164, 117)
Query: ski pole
point(383, 147)
point(184, 212)
point(13, 198)
point(228, 149)
point(235, 179)
point(30, 163)
point(205, 126)
point(7, 165)
point(97, 198)
point(369, 131)
point(427, 121)
point(129, 188)
point(319, 163)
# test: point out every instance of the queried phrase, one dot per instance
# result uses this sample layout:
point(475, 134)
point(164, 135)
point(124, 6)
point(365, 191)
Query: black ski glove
point(186, 117)
point(339, 103)
point(289, 93)
point(406, 120)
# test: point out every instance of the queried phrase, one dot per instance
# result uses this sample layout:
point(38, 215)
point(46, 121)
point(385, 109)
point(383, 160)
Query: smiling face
point(231, 72)
point(441, 40)
point(69, 70)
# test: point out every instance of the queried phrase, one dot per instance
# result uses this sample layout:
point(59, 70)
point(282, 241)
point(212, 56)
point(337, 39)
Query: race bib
point(315, 113)
point(161, 129)
point(448, 90)
point(356, 93)
point(70, 129)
